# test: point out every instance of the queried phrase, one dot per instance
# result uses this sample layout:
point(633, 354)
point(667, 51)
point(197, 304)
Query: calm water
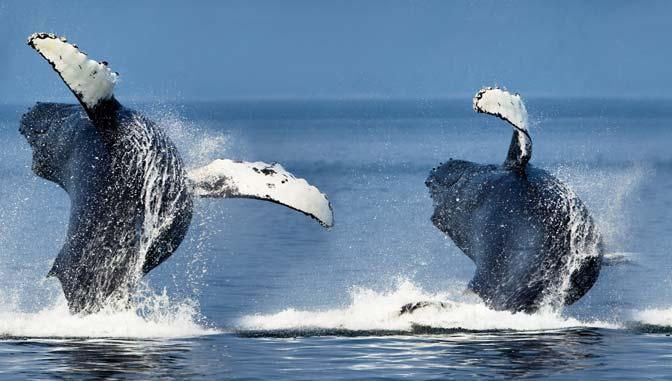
point(257, 291)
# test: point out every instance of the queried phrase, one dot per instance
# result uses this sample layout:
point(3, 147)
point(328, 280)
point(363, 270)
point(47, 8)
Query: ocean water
point(257, 291)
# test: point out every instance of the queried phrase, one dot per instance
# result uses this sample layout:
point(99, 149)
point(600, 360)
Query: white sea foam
point(157, 317)
point(655, 316)
point(369, 310)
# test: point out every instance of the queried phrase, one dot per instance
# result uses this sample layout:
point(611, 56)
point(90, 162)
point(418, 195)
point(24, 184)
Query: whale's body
point(131, 199)
point(130, 204)
point(531, 238)
point(521, 230)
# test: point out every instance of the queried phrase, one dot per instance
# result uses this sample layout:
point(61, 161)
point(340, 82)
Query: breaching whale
point(531, 238)
point(131, 196)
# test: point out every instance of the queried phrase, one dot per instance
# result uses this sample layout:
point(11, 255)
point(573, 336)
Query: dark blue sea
point(257, 291)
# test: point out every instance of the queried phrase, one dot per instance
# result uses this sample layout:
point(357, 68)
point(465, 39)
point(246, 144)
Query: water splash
point(585, 236)
point(164, 193)
point(369, 310)
point(157, 316)
point(585, 247)
point(164, 190)
point(198, 144)
point(661, 317)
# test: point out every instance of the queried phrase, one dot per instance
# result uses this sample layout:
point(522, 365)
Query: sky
point(232, 50)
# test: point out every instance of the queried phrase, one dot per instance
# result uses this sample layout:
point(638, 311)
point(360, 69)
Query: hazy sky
point(339, 49)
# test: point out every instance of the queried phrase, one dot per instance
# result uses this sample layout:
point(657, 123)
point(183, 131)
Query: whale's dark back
point(130, 207)
point(532, 240)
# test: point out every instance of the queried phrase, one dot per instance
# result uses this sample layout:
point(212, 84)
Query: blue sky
point(343, 49)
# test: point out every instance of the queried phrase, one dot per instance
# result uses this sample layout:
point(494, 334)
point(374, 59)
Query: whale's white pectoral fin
point(92, 82)
point(501, 103)
point(509, 107)
point(262, 181)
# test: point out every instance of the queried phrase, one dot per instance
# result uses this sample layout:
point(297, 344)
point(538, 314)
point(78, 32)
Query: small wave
point(152, 320)
point(374, 313)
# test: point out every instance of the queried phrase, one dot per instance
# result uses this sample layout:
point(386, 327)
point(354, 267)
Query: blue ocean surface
point(257, 291)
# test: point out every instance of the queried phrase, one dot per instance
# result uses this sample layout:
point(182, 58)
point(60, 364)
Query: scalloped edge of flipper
point(224, 178)
point(510, 108)
point(91, 82)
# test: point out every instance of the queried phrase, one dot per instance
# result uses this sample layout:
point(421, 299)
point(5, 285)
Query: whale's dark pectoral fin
point(509, 107)
point(92, 82)
point(261, 181)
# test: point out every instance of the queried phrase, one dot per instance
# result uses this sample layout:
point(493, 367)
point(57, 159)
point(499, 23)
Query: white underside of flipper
point(509, 107)
point(90, 81)
point(270, 182)
point(501, 103)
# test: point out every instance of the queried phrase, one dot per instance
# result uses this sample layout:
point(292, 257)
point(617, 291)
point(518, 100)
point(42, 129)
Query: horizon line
point(336, 99)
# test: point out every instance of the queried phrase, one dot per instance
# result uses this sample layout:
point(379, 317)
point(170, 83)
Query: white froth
point(373, 311)
point(655, 316)
point(91, 81)
point(228, 178)
point(56, 322)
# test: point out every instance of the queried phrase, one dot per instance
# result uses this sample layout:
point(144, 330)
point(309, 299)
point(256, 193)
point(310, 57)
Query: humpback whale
point(531, 238)
point(131, 197)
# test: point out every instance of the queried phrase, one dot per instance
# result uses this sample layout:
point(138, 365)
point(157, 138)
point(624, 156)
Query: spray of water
point(162, 189)
point(198, 146)
point(605, 192)
point(585, 237)
point(160, 194)
point(584, 245)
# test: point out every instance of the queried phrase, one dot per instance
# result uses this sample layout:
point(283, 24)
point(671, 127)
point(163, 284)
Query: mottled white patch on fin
point(90, 81)
point(501, 103)
point(262, 181)
point(509, 107)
